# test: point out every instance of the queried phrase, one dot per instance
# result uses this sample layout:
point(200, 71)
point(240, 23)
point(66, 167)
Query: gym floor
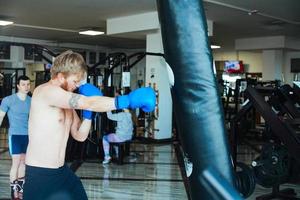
point(150, 172)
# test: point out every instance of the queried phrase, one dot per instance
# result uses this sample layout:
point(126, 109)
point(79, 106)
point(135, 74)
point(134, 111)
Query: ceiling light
point(252, 12)
point(4, 23)
point(215, 46)
point(91, 32)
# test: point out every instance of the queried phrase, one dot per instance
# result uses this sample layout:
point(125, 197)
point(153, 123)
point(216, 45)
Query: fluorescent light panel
point(4, 23)
point(91, 32)
point(215, 46)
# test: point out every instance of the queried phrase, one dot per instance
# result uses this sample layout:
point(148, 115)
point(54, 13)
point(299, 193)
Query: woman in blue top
point(17, 107)
point(124, 131)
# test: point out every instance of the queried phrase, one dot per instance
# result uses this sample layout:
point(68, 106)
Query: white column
point(272, 64)
point(17, 56)
point(156, 73)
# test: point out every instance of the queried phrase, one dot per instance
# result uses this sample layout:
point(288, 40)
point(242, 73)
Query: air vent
point(276, 22)
point(274, 25)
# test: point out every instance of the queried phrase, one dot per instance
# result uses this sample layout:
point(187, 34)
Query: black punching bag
point(198, 111)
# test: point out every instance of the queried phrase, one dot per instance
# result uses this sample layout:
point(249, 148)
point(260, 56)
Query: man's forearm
point(83, 130)
point(101, 104)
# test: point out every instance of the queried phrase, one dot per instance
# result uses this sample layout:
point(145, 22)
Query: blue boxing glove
point(89, 90)
point(143, 98)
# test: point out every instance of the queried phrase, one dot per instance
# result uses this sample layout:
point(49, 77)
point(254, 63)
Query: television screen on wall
point(295, 65)
point(234, 66)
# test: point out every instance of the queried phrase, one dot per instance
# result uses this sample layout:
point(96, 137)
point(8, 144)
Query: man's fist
point(143, 98)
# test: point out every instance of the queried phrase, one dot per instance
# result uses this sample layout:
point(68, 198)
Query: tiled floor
point(151, 172)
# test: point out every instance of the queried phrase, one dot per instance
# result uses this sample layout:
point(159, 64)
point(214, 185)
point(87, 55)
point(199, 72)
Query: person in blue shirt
point(17, 107)
point(124, 131)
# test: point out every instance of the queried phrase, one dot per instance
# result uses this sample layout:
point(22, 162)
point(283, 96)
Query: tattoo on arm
point(73, 102)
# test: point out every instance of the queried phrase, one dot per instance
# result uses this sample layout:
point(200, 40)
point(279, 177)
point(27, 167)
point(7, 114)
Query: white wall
point(252, 60)
point(272, 64)
point(288, 76)
point(228, 55)
point(258, 63)
point(133, 23)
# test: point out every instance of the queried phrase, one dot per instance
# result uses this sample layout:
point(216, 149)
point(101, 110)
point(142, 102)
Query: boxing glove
point(143, 98)
point(89, 90)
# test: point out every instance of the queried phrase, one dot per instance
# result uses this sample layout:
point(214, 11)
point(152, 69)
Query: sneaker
point(14, 188)
point(106, 160)
point(20, 187)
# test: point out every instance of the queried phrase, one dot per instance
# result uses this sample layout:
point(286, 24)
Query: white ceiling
point(231, 19)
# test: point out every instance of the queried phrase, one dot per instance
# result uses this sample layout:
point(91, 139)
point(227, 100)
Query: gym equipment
point(9, 80)
point(195, 95)
point(118, 65)
point(123, 150)
point(146, 121)
point(272, 166)
point(244, 179)
point(115, 60)
point(283, 99)
point(152, 116)
point(285, 133)
point(37, 53)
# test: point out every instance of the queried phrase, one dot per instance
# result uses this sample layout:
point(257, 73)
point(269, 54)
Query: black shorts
point(17, 144)
point(52, 184)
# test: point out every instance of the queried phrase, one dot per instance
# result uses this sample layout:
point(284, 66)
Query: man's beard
point(65, 85)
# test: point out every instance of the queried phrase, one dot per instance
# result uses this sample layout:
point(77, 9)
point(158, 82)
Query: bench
point(123, 148)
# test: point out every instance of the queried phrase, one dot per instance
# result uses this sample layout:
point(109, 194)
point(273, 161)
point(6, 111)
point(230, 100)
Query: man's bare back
point(49, 127)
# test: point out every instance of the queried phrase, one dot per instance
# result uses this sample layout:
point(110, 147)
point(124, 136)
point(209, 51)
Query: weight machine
point(280, 152)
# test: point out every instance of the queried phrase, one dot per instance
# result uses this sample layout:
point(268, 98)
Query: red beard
point(65, 86)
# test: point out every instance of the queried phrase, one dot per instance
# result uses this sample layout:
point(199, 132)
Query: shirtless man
point(52, 118)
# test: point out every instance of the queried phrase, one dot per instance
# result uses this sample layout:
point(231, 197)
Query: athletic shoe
point(14, 188)
point(20, 187)
point(106, 160)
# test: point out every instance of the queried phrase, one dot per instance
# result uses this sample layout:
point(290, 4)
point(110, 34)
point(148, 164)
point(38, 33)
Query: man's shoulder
point(45, 95)
point(46, 88)
point(8, 100)
point(10, 97)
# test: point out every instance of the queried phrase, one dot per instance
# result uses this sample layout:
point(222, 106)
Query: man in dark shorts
point(17, 106)
point(53, 118)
